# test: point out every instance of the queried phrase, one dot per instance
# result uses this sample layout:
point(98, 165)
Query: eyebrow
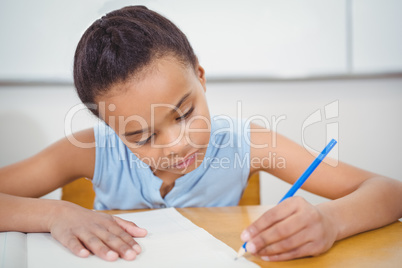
point(179, 103)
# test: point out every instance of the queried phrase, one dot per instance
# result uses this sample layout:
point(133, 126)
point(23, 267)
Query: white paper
point(13, 250)
point(172, 241)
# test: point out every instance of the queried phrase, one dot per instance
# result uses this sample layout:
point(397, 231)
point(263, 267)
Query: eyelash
point(187, 114)
point(145, 141)
point(184, 116)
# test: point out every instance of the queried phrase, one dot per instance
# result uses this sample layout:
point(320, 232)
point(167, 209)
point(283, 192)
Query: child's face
point(162, 116)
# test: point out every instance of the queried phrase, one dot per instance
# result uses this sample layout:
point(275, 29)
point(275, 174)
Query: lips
point(186, 162)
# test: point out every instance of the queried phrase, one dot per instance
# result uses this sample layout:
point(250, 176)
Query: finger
point(118, 231)
point(74, 245)
point(116, 243)
point(280, 231)
point(131, 227)
point(277, 233)
point(97, 247)
point(286, 245)
point(269, 218)
point(308, 249)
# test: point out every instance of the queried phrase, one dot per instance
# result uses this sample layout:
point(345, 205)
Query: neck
point(168, 179)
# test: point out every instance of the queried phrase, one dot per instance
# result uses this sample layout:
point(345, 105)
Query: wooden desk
point(377, 248)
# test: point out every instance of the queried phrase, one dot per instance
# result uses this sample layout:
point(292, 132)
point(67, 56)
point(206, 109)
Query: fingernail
point(251, 247)
point(83, 253)
point(245, 235)
point(137, 248)
point(130, 254)
point(111, 255)
point(265, 258)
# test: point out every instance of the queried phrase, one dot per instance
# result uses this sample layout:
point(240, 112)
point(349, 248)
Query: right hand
point(84, 231)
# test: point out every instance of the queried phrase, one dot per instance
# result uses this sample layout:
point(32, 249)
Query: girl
point(158, 146)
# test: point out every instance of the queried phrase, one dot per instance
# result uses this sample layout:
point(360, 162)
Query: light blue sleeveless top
point(122, 181)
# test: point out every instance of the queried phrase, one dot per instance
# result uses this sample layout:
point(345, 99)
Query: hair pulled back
point(120, 44)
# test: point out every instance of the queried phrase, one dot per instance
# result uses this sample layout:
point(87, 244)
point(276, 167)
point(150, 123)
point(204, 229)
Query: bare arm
point(375, 203)
point(81, 230)
point(295, 228)
point(50, 169)
point(26, 214)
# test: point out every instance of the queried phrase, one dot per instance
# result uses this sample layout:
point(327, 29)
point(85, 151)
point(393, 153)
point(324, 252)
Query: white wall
point(254, 38)
point(375, 21)
point(370, 119)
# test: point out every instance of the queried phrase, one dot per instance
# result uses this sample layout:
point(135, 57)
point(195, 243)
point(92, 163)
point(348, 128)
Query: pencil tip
point(240, 253)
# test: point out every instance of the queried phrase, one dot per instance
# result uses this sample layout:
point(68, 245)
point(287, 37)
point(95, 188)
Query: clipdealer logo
point(328, 115)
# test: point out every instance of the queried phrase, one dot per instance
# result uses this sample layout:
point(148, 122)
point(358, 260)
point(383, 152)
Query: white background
point(279, 38)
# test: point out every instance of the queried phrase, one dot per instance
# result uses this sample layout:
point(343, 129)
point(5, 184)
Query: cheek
point(147, 155)
point(199, 132)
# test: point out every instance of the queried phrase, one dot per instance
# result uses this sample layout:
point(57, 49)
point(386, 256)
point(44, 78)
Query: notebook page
point(172, 241)
point(13, 250)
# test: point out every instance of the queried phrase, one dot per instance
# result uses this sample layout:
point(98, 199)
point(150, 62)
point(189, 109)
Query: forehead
point(162, 84)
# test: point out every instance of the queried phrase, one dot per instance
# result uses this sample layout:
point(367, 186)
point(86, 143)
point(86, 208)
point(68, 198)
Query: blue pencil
point(296, 186)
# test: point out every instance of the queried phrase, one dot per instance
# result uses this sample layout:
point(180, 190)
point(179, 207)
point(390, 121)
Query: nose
point(175, 141)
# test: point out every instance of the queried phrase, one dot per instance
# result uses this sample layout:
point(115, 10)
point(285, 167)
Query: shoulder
point(229, 126)
point(230, 134)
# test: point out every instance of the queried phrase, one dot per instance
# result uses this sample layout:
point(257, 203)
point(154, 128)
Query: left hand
point(292, 229)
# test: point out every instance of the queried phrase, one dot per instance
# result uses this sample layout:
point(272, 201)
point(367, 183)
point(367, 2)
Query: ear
point(201, 77)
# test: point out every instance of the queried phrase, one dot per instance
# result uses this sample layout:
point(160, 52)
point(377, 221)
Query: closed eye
point(187, 114)
point(145, 141)
point(180, 118)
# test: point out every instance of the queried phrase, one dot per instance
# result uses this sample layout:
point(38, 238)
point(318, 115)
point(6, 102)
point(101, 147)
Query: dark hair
point(121, 44)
